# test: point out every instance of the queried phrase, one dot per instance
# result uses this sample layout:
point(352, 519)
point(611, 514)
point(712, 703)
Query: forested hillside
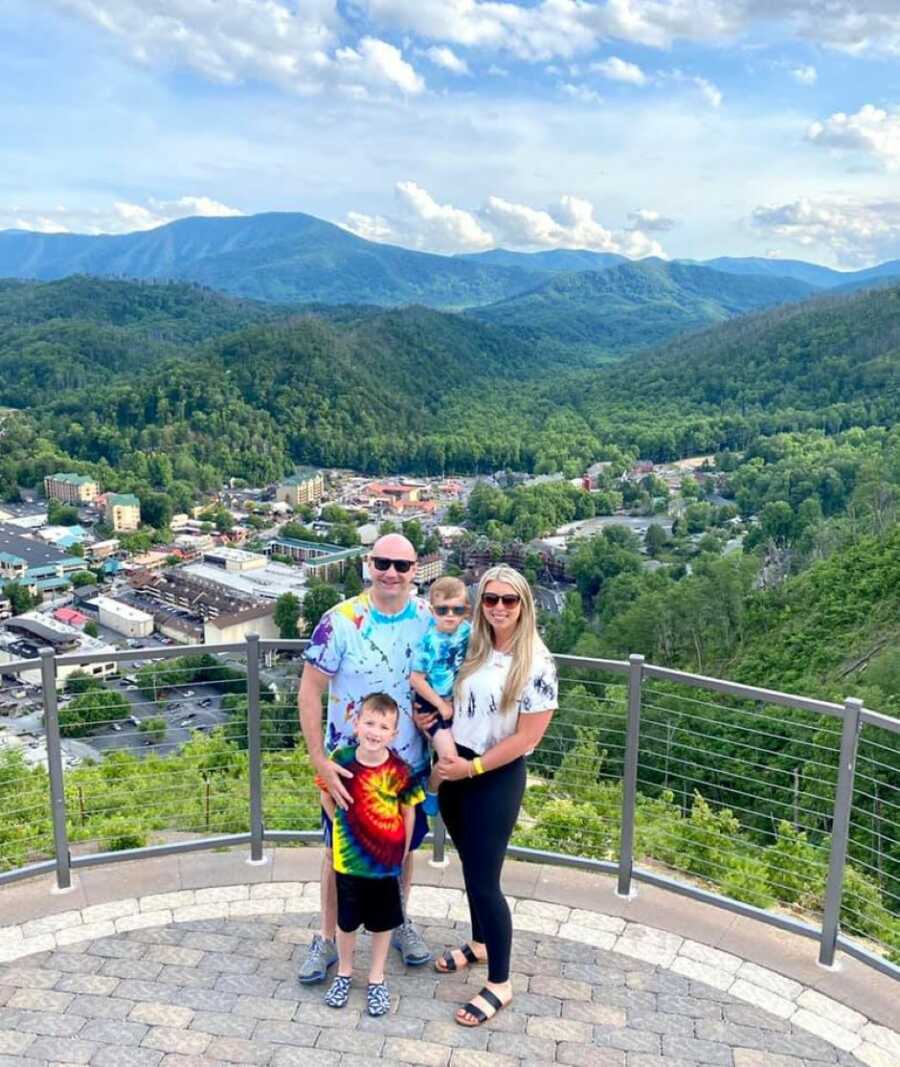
point(634, 305)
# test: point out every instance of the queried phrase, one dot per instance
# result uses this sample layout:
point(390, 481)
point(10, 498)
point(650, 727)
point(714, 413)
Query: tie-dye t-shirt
point(369, 838)
point(364, 651)
point(439, 656)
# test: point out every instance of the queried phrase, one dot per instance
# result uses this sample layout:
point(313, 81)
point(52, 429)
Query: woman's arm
point(530, 729)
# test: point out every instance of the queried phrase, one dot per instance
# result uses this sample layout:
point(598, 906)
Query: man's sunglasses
point(493, 599)
point(446, 609)
point(401, 566)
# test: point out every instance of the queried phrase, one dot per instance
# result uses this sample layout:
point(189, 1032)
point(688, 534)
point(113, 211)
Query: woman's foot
point(483, 1007)
point(457, 959)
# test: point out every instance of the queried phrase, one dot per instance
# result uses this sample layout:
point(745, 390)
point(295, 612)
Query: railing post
point(55, 770)
point(439, 856)
point(629, 778)
point(254, 749)
point(840, 830)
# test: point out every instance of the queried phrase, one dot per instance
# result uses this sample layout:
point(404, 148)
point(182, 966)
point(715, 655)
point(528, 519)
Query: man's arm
point(313, 686)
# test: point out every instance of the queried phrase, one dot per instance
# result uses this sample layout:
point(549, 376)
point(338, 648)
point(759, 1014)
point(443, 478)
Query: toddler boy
point(435, 663)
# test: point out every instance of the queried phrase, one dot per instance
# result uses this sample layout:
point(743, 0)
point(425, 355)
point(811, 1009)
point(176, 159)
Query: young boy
point(435, 662)
point(370, 841)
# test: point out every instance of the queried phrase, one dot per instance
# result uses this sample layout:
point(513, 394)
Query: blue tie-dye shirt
point(364, 651)
point(439, 656)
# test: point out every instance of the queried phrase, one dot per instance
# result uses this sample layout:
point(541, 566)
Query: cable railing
point(778, 807)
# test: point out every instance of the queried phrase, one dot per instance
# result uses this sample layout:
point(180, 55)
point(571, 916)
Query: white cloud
point(619, 70)
point(856, 233)
point(448, 59)
point(571, 224)
point(651, 221)
point(871, 130)
point(807, 75)
point(710, 92)
point(121, 217)
point(582, 93)
point(378, 63)
point(293, 46)
point(426, 224)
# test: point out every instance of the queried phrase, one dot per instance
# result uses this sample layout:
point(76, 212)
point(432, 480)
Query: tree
point(153, 728)
point(318, 599)
point(287, 614)
point(81, 578)
point(92, 708)
point(59, 514)
point(412, 531)
point(655, 540)
point(455, 514)
point(81, 682)
point(19, 597)
point(91, 628)
point(353, 583)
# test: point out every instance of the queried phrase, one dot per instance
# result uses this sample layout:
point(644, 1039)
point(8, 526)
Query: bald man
point(364, 645)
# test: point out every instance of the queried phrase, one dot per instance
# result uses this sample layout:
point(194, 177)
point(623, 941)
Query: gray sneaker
point(413, 950)
point(322, 954)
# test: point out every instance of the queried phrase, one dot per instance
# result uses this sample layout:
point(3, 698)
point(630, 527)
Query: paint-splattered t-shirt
point(369, 838)
point(478, 723)
point(364, 651)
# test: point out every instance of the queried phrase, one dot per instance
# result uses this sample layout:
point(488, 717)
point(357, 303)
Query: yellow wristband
point(478, 765)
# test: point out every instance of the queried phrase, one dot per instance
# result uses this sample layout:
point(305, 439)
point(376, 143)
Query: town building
point(429, 568)
point(259, 583)
point(96, 551)
point(5, 607)
point(37, 565)
point(122, 618)
point(23, 636)
point(122, 512)
point(70, 488)
point(226, 629)
point(305, 486)
point(195, 594)
point(71, 617)
point(323, 562)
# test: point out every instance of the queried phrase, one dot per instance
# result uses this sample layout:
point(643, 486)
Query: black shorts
point(370, 902)
point(422, 705)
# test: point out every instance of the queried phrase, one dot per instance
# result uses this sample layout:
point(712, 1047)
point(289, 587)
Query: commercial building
point(27, 559)
point(305, 486)
point(122, 512)
point(228, 628)
point(5, 607)
point(191, 593)
point(96, 551)
point(262, 583)
point(123, 618)
point(70, 488)
point(429, 568)
point(323, 562)
point(235, 560)
point(23, 636)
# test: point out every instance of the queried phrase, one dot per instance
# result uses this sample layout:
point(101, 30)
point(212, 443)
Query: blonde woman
point(504, 697)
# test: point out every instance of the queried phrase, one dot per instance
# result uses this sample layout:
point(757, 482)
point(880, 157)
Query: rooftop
point(269, 581)
point(72, 479)
point(300, 475)
point(122, 500)
point(34, 551)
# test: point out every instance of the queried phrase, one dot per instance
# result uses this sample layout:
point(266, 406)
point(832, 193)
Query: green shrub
point(120, 833)
point(706, 839)
point(795, 870)
point(746, 879)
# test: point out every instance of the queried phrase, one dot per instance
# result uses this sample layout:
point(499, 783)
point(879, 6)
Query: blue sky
point(689, 128)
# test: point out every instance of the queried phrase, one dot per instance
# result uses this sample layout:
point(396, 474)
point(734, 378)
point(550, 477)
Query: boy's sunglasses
point(401, 566)
point(446, 609)
point(492, 599)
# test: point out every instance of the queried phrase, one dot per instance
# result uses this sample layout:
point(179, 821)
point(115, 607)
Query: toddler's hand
point(445, 709)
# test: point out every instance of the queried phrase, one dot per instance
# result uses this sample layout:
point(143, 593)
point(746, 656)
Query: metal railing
point(778, 807)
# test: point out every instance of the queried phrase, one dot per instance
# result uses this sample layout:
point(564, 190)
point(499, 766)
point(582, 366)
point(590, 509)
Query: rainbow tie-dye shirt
point(369, 838)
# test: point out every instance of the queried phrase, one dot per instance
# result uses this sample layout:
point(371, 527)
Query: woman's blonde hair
point(526, 643)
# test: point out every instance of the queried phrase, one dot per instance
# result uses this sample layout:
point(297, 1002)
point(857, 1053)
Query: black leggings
point(480, 814)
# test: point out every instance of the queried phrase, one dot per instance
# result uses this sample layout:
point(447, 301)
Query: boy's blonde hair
point(382, 703)
point(447, 588)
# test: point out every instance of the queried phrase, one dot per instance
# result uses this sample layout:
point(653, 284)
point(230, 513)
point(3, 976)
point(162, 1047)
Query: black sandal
point(449, 963)
point(472, 1009)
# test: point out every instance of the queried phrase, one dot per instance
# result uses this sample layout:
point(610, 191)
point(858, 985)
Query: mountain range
point(593, 304)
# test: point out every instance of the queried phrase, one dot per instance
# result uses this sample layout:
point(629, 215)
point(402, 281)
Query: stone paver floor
point(223, 991)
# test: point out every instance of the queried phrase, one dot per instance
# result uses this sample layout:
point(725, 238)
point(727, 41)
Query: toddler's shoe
point(339, 994)
point(378, 999)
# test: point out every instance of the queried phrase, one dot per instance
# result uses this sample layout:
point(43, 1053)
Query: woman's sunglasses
point(446, 609)
point(493, 599)
point(401, 566)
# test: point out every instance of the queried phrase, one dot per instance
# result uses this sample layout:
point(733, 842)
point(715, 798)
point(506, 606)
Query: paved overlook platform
point(190, 961)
